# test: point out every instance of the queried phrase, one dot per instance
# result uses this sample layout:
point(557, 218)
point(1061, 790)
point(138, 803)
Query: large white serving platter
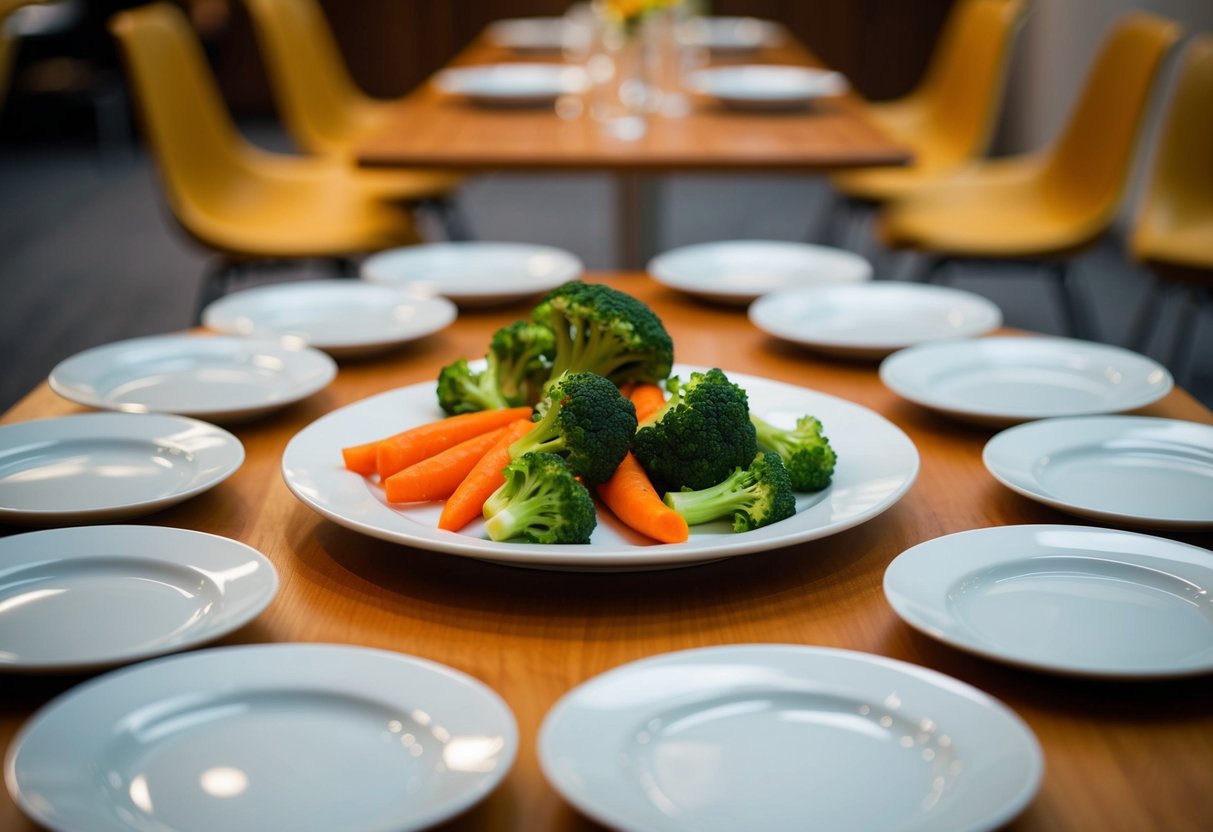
point(782, 737)
point(722, 33)
point(877, 464)
point(513, 84)
point(475, 273)
point(1001, 381)
point(95, 596)
point(871, 320)
point(342, 317)
point(1128, 470)
point(766, 86)
point(529, 34)
point(91, 467)
point(738, 271)
point(1065, 599)
point(219, 378)
point(305, 737)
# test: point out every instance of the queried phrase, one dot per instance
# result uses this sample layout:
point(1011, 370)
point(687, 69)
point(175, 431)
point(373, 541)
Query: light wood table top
point(1131, 756)
point(430, 129)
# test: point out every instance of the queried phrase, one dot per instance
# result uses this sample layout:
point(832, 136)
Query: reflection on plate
point(731, 34)
point(765, 86)
point(341, 317)
point(219, 378)
point(305, 737)
point(1132, 470)
point(871, 320)
point(529, 34)
point(108, 466)
point(95, 596)
point(787, 737)
point(474, 274)
point(1067, 599)
point(738, 271)
point(877, 464)
point(1003, 381)
point(511, 85)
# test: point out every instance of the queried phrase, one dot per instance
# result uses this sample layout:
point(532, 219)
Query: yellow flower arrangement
point(627, 12)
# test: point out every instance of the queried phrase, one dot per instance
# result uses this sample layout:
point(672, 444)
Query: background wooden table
point(1132, 756)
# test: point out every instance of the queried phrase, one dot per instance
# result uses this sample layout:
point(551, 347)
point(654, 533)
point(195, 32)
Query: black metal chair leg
point(344, 266)
point(1184, 329)
point(213, 286)
point(1138, 338)
point(932, 270)
point(451, 217)
point(1063, 276)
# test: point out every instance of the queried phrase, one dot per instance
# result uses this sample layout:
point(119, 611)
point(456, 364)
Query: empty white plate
point(529, 34)
point(871, 320)
point(782, 737)
point(305, 737)
point(1067, 599)
point(474, 274)
point(738, 271)
point(94, 596)
point(511, 85)
point(1132, 470)
point(107, 466)
point(731, 34)
point(341, 317)
point(218, 378)
point(766, 87)
point(1003, 381)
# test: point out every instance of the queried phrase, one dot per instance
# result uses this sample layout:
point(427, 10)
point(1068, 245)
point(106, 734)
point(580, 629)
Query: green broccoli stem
point(543, 437)
point(769, 436)
point(518, 516)
point(714, 502)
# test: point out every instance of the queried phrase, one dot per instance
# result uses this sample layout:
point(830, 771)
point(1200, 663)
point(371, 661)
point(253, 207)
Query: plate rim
point(976, 648)
point(231, 445)
point(150, 541)
point(580, 556)
point(490, 699)
point(806, 653)
point(323, 365)
point(446, 81)
point(1000, 473)
point(700, 82)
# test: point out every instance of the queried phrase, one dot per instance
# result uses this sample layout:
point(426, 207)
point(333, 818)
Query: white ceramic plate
point(341, 317)
point(220, 378)
point(305, 737)
point(871, 320)
point(766, 86)
point(511, 85)
point(877, 464)
point(95, 596)
point(474, 274)
point(1066, 599)
point(1002, 381)
point(738, 271)
point(1131, 470)
point(529, 34)
point(732, 34)
point(783, 737)
point(108, 466)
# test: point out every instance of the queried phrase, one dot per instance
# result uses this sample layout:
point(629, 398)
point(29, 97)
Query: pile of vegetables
point(580, 397)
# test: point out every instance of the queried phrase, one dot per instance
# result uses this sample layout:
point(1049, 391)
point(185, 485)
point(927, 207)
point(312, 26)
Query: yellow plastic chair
point(1048, 205)
point(324, 110)
point(243, 202)
point(1173, 228)
point(949, 117)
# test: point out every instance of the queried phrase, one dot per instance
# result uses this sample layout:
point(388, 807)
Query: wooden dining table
point(430, 129)
point(1118, 755)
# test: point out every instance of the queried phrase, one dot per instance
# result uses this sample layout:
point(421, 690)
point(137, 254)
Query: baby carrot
point(437, 477)
point(467, 502)
point(648, 399)
point(408, 447)
point(630, 495)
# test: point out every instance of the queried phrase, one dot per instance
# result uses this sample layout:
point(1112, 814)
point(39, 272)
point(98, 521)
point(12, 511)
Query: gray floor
point(88, 253)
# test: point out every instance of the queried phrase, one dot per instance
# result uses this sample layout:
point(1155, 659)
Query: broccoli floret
point(463, 390)
point(700, 435)
point(584, 418)
point(602, 330)
point(514, 373)
point(541, 502)
point(756, 496)
point(806, 452)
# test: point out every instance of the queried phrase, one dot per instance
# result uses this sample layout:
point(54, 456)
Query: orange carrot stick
point(411, 446)
point(437, 477)
point(467, 502)
point(626, 389)
point(648, 399)
point(632, 497)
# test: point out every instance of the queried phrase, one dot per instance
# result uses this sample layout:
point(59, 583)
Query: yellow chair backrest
point(1089, 163)
point(323, 108)
point(1180, 191)
point(962, 87)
